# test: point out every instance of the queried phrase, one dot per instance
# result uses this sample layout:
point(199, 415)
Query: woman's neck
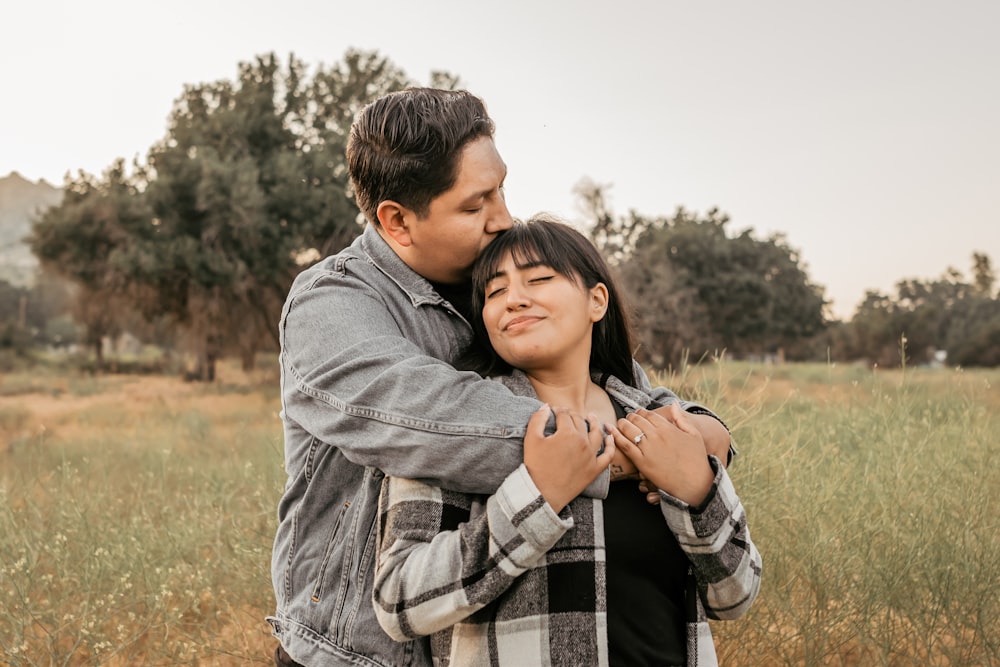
point(575, 391)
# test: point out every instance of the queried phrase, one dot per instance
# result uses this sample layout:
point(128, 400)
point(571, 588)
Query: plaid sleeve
point(716, 539)
point(443, 555)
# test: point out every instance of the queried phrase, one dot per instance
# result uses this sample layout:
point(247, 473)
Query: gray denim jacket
point(367, 389)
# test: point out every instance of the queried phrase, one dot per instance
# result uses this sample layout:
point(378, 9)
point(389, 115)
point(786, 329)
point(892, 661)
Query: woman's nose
point(516, 297)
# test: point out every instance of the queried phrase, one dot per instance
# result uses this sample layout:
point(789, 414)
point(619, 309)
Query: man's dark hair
point(405, 146)
point(545, 240)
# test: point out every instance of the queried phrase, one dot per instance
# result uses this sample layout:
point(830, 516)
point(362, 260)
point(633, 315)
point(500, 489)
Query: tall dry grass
point(136, 515)
point(872, 496)
point(136, 518)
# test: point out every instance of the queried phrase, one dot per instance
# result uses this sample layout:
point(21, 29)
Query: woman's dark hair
point(545, 240)
point(406, 146)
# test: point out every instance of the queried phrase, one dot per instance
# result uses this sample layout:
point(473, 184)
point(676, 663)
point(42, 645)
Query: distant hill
point(20, 201)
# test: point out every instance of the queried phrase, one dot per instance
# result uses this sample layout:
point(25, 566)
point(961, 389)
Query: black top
point(646, 571)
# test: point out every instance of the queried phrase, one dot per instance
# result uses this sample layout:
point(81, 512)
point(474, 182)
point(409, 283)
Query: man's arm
point(351, 378)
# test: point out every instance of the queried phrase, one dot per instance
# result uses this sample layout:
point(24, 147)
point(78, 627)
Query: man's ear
point(394, 219)
point(598, 301)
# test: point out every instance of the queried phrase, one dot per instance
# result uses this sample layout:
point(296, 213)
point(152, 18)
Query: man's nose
point(501, 219)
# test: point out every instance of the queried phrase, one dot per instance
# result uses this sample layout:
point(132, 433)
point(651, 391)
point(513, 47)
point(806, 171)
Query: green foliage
point(30, 316)
point(249, 180)
point(248, 186)
point(757, 295)
point(86, 240)
point(702, 290)
point(948, 314)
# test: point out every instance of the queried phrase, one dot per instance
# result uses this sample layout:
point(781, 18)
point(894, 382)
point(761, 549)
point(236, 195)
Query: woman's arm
point(716, 539)
point(443, 555)
point(718, 442)
point(713, 430)
point(701, 508)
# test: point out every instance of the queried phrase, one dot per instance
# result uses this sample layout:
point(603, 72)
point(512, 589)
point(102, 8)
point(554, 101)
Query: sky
point(868, 133)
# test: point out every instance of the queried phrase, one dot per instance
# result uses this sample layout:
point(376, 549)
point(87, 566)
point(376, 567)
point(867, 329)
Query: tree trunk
point(248, 360)
point(98, 342)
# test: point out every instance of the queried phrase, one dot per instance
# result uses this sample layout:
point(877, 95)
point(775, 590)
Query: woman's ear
point(394, 217)
point(598, 302)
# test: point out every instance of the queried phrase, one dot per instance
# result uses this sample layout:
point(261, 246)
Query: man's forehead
point(481, 160)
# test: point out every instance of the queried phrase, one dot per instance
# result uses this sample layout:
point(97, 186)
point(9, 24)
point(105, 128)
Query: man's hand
point(564, 463)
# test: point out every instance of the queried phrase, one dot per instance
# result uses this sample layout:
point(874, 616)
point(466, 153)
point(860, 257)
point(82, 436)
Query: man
point(367, 339)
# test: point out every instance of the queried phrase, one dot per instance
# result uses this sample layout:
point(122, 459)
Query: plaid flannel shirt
point(504, 580)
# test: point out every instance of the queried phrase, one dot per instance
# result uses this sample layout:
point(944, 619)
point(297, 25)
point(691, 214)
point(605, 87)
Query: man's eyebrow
point(485, 193)
point(475, 197)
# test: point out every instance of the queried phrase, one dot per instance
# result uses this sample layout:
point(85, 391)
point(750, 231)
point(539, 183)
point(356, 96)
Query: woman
point(535, 574)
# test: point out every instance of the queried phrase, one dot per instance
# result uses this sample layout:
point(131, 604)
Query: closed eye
point(496, 292)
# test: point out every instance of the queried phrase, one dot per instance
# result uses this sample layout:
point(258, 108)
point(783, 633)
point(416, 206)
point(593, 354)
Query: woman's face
point(537, 318)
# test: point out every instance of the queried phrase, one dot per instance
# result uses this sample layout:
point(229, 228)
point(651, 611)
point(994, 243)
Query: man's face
point(462, 221)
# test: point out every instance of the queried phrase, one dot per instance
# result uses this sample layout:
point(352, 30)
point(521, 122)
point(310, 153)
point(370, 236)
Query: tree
point(974, 337)
point(249, 186)
point(876, 330)
point(702, 290)
point(85, 240)
point(983, 277)
point(669, 320)
point(758, 296)
point(926, 316)
point(615, 236)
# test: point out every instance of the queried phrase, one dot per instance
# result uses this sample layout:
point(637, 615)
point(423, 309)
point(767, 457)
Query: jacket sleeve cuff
point(526, 512)
point(599, 488)
point(708, 518)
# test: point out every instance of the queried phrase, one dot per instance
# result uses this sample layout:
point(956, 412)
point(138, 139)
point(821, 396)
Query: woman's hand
point(670, 453)
point(716, 436)
point(564, 463)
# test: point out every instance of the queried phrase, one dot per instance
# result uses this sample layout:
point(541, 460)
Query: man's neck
point(459, 296)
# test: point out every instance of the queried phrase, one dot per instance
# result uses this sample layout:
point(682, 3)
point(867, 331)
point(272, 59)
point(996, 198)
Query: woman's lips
point(520, 322)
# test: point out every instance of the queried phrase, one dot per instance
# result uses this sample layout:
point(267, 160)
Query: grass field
point(136, 515)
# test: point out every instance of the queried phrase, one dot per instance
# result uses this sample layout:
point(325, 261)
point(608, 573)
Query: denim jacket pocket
point(319, 588)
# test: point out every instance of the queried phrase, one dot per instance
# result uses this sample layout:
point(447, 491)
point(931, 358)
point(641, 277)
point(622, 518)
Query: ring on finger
point(637, 439)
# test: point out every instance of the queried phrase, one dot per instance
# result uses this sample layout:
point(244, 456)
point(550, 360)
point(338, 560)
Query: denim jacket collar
point(385, 259)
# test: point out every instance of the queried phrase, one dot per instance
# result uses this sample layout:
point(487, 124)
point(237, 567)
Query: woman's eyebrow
point(535, 263)
point(503, 274)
